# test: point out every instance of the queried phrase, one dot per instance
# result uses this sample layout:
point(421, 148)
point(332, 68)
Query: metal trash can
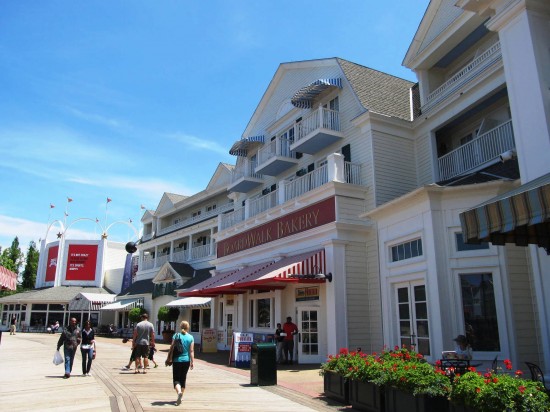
point(263, 364)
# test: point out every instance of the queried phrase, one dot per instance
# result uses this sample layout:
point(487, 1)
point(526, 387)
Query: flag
point(69, 200)
point(52, 206)
point(130, 220)
point(142, 207)
point(109, 200)
point(96, 220)
point(66, 214)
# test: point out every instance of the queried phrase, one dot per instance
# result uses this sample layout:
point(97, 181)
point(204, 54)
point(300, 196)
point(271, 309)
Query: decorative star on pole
point(59, 234)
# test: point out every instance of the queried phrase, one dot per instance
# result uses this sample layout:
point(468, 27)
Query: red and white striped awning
point(307, 267)
point(8, 279)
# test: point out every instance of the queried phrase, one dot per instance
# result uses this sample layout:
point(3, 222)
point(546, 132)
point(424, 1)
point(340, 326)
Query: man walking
point(288, 343)
point(12, 325)
point(144, 335)
point(70, 339)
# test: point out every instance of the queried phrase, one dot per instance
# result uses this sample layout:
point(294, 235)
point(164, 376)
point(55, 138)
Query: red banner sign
point(81, 262)
point(304, 219)
point(51, 264)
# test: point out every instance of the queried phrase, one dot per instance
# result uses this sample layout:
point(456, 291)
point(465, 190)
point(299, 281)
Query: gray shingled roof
point(141, 287)
point(56, 294)
point(377, 91)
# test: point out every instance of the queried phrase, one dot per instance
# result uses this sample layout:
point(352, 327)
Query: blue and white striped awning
point(303, 98)
point(241, 147)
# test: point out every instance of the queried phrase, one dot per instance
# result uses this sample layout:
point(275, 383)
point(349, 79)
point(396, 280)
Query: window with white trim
point(260, 309)
point(406, 250)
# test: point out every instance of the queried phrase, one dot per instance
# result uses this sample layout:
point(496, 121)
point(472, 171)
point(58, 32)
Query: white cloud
point(198, 143)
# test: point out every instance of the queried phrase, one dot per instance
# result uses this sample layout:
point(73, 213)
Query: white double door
point(308, 345)
point(412, 316)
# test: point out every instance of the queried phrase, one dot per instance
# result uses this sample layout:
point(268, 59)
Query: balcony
point(276, 156)
point(244, 178)
point(468, 73)
point(196, 219)
point(344, 172)
point(318, 130)
point(477, 153)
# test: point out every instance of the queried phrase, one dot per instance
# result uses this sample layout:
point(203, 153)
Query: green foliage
point(400, 368)
point(12, 257)
point(135, 314)
point(31, 267)
point(167, 314)
point(491, 392)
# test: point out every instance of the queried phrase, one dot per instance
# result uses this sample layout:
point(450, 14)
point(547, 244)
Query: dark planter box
point(399, 401)
point(366, 396)
point(460, 408)
point(336, 387)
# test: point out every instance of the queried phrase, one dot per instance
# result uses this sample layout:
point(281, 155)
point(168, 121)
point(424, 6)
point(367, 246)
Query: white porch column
point(335, 164)
point(281, 193)
point(336, 297)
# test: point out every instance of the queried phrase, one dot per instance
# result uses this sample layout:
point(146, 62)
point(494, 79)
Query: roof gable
point(167, 202)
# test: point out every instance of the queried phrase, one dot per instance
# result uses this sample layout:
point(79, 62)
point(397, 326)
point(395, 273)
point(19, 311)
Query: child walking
point(152, 351)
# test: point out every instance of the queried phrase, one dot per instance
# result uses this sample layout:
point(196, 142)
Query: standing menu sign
point(209, 341)
point(240, 350)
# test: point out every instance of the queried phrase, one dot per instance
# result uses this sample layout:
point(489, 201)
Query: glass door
point(412, 312)
point(308, 342)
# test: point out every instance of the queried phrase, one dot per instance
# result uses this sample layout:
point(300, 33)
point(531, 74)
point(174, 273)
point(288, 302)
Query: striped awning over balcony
point(304, 97)
point(242, 146)
point(520, 216)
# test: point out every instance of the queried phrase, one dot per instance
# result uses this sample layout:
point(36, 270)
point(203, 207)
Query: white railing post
point(335, 163)
point(220, 222)
point(246, 209)
point(320, 117)
point(281, 193)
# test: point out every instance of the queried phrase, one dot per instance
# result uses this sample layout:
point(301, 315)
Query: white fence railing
point(199, 252)
point(147, 263)
point(321, 118)
point(482, 149)
point(263, 203)
point(306, 183)
point(194, 219)
point(245, 170)
point(466, 74)
point(232, 218)
point(279, 146)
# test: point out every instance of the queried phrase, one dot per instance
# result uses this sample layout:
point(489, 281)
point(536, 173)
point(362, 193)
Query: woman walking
point(87, 348)
point(181, 357)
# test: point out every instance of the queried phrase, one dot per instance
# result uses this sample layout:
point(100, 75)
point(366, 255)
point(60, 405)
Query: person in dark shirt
point(70, 339)
point(279, 340)
point(288, 341)
point(87, 348)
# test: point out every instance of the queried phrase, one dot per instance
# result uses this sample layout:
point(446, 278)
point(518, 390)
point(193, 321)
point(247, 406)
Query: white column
point(335, 164)
point(336, 298)
point(524, 30)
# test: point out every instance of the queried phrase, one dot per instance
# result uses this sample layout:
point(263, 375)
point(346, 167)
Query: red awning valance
point(8, 279)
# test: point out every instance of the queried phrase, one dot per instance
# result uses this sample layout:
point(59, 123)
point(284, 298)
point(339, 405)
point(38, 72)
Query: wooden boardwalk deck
point(30, 381)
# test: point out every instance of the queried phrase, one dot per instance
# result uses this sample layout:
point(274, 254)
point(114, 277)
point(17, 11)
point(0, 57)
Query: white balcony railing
point(349, 173)
point(246, 169)
point(232, 218)
point(465, 75)
point(321, 118)
point(200, 252)
point(482, 149)
point(147, 237)
point(162, 259)
point(305, 183)
point(180, 256)
point(192, 220)
point(147, 263)
point(263, 203)
point(280, 146)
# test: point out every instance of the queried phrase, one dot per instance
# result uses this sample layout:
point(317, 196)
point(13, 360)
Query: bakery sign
point(304, 219)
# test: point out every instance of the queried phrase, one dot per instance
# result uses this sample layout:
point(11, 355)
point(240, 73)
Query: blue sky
point(131, 99)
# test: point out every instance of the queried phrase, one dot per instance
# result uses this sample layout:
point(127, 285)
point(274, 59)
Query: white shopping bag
point(57, 358)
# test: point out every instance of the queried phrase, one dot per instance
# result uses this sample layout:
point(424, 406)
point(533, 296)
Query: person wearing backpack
point(181, 357)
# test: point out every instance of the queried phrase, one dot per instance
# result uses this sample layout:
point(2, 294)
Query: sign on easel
point(209, 341)
point(242, 344)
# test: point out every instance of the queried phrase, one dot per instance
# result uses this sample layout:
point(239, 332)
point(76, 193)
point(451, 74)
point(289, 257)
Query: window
point(221, 314)
point(195, 320)
point(211, 208)
point(259, 314)
point(406, 250)
point(461, 246)
point(480, 314)
point(206, 318)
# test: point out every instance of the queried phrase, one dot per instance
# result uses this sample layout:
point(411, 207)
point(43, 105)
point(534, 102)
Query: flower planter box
point(366, 396)
point(336, 387)
point(399, 401)
point(460, 408)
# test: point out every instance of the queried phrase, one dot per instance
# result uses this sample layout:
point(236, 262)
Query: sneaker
point(178, 401)
point(156, 365)
point(126, 368)
point(89, 375)
point(67, 376)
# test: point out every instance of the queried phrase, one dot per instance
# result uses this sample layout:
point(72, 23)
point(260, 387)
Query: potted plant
point(168, 315)
point(334, 372)
point(411, 383)
point(134, 315)
point(492, 392)
point(364, 394)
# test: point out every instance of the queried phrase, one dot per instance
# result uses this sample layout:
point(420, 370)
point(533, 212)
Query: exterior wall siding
point(423, 160)
point(394, 165)
point(523, 304)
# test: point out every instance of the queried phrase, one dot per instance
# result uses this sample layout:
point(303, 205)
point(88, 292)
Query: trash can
point(263, 364)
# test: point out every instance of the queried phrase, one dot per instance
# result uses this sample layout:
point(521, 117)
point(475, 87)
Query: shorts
point(142, 351)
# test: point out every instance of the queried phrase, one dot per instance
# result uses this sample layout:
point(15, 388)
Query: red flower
point(344, 351)
point(508, 364)
point(519, 373)
point(521, 388)
point(495, 380)
point(478, 390)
